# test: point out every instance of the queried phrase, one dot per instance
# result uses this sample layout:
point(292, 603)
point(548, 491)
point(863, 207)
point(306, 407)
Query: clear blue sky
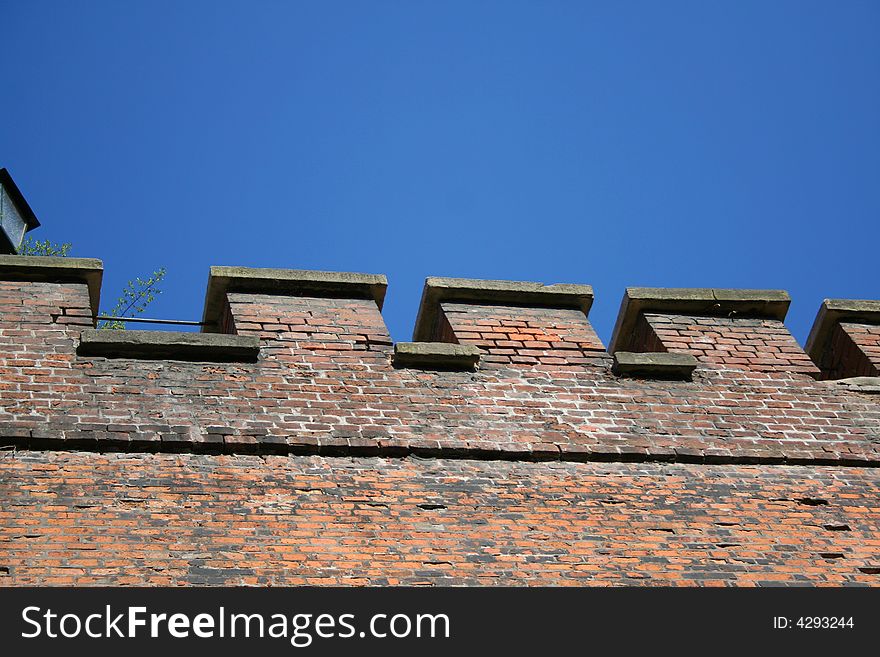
point(727, 144)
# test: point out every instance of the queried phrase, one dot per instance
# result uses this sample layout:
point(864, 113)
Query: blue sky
point(693, 144)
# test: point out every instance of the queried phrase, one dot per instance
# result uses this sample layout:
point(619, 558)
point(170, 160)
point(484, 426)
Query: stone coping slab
point(53, 269)
point(296, 282)
point(659, 365)
point(171, 345)
point(831, 313)
point(489, 292)
point(867, 384)
point(719, 302)
point(436, 354)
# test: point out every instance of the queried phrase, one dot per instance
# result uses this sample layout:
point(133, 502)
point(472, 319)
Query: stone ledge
point(654, 365)
point(831, 313)
point(436, 354)
point(296, 282)
point(209, 347)
point(762, 304)
point(514, 293)
point(184, 442)
point(52, 269)
point(867, 384)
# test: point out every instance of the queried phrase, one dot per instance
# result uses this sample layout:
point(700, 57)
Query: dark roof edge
point(19, 200)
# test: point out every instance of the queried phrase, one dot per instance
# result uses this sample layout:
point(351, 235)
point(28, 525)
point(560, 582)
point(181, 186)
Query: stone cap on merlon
point(718, 302)
point(489, 292)
point(55, 270)
point(833, 312)
point(297, 282)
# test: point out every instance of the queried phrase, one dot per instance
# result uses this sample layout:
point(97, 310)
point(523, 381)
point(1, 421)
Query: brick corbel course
point(186, 440)
point(845, 338)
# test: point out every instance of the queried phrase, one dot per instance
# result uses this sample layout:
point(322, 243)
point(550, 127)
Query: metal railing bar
point(145, 320)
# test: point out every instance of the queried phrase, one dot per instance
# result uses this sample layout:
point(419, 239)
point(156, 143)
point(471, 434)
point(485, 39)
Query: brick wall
point(845, 338)
point(867, 337)
point(309, 322)
point(760, 345)
point(551, 336)
point(857, 350)
point(323, 462)
point(91, 518)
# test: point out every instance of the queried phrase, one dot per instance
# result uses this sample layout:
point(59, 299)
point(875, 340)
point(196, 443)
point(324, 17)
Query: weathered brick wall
point(310, 464)
point(86, 518)
point(845, 339)
point(309, 323)
point(867, 337)
point(550, 336)
point(761, 345)
point(38, 325)
point(857, 347)
point(317, 389)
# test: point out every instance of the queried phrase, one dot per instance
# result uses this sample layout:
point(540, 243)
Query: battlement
point(302, 361)
point(510, 322)
point(292, 442)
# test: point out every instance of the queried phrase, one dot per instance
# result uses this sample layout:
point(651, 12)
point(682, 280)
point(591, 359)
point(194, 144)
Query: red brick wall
point(311, 322)
point(867, 337)
point(29, 308)
point(759, 345)
point(310, 464)
point(856, 349)
point(338, 391)
point(38, 324)
point(85, 518)
point(530, 336)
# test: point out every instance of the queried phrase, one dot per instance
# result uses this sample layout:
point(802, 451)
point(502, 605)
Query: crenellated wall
point(292, 442)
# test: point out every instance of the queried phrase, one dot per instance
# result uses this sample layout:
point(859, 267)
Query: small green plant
point(136, 296)
point(32, 247)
